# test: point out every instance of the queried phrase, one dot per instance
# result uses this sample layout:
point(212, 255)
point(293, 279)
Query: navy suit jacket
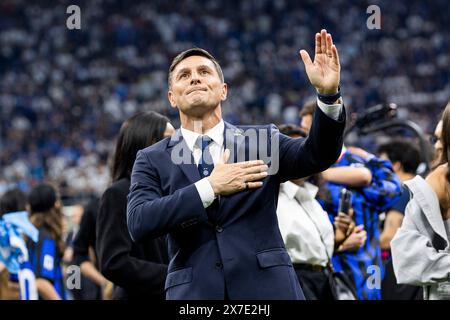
point(232, 249)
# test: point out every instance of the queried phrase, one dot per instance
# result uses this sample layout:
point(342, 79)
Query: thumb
point(225, 156)
point(306, 59)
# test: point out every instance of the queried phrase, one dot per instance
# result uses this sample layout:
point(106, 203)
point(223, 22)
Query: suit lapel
point(182, 157)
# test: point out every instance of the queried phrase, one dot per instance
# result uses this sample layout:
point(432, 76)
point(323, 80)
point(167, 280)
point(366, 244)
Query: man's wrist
point(214, 188)
point(205, 191)
point(327, 91)
point(329, 96)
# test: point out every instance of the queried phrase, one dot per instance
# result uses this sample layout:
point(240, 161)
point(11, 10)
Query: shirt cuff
point(331, 110)
point(205, 192)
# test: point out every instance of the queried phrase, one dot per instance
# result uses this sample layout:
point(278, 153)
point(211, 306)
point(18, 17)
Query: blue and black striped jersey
point(45, 261)
point(368, 202)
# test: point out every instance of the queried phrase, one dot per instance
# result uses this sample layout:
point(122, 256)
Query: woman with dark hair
point(137, 269)
point(421, 247)
point(44, 207)
point(12, 201)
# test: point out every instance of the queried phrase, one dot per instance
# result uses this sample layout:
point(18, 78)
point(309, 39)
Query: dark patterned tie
point(206, 164)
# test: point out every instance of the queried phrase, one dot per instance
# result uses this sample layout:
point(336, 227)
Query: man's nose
point(195, 79)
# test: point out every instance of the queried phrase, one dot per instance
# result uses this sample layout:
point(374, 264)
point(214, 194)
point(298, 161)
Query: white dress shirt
point(300, 219)
point(216, 147)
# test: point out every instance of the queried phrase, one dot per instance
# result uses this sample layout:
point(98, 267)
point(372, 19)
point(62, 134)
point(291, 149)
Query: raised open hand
point(324, 72)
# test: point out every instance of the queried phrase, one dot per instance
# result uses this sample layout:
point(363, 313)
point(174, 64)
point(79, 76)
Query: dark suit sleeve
point(114, 246)
point(303, 157)
point(151, 214)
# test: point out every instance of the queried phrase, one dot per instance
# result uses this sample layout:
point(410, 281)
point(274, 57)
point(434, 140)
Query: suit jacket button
point(219, 229)
point(219, 265)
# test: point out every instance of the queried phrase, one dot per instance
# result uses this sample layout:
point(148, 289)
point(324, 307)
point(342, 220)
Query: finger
point(342, 221)
point(225, 156)
point(255, 176)
point(335, 55)
point(351, 212)
point(248, 164)
point(254, 185)
point(256, 169)
point(343, 228)
point(306, 58)
point(318, 44)
point(329, 43)
point(351, 227)
point(343, 225)
point(344, 216)
point(323, 40)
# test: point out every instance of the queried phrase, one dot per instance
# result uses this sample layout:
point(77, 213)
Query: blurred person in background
point(374, 187)
point(74, 214)
point(307, 232)
point(46, 255)
point(405, 158)
point(94, 285)
point(137, 269)
point(421, 246)
point(17, 280)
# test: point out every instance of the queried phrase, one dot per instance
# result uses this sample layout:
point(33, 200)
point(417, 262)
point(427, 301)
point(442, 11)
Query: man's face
point(196, 86)
point(306, 122)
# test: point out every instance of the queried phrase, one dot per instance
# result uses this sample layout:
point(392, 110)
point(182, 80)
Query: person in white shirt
point(307, 232)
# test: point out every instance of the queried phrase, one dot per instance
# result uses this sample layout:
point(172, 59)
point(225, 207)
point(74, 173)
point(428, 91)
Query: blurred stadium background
point(64, 93)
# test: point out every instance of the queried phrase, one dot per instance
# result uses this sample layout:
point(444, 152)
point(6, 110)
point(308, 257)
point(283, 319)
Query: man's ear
point(171, 98)
point(397, 166)
point(223, 96)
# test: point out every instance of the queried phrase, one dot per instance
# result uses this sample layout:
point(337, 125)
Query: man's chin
point(198, 108)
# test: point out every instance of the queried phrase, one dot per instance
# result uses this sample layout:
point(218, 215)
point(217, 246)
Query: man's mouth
point(195, 89)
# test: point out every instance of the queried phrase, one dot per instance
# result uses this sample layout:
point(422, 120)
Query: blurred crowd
point(64, 93)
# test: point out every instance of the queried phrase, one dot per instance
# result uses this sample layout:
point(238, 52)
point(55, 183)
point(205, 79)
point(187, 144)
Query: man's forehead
point(194, 62)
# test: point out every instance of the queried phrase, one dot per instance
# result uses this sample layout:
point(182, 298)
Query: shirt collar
point(215, 133)
point(290, 189)
point(343, 151)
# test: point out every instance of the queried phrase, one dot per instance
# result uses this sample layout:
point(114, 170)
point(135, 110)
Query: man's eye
point(184, 76)
point(204, 72)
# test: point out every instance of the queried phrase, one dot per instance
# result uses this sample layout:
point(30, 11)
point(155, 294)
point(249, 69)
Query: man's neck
point(403, 176)
point(203, 123)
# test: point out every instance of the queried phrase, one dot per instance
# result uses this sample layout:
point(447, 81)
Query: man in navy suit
point(213, 187)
